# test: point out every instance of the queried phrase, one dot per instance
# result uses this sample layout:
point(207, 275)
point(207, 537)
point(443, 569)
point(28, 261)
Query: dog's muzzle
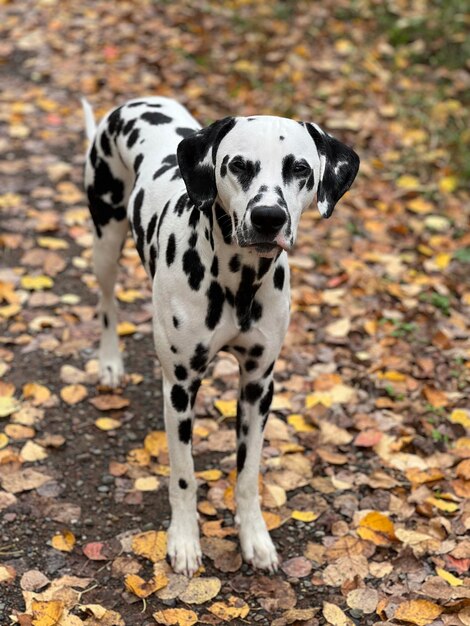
point(265, 236)
point(268, 220)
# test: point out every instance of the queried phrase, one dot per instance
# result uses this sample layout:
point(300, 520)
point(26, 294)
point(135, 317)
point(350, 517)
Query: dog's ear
point(339, 165)
point(196, 160)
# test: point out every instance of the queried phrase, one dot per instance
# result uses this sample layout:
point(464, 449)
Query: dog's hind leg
point(108, 192)
point(106, 253)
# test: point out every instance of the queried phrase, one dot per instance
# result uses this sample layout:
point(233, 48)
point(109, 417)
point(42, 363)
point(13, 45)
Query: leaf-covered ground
point(366, 473)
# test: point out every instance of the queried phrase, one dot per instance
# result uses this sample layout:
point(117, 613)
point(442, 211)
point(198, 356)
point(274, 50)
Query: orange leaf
point(377, 528)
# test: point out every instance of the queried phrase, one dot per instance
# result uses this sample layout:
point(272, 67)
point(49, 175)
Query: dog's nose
point(268, 220)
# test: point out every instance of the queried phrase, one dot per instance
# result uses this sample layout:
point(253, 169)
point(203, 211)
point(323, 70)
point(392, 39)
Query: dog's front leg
point(253, 408)
point(184, 549)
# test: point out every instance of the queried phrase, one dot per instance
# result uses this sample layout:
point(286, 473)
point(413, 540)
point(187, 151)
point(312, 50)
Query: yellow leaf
point(209, 475)
point(335, 616)
point(408, 182)
point(73, 394)
point(10, 310)
point(419, 477)
point(234, 607)
point(156, 442)
point(64, 541)
point(448, 184)
point(32, 452)
point(142, 588)
point(3, 440)
point(419, 612)
point(36, 283)
point(151, 544)
point(443, 505)
point(47, 613)
point(318, 397)
point(8, 406)
point(392, 375)
point(107, 423)
point(304, 516)
point(460, 416)
point(52, 243)
point(442, 260)
point(448, 577)
point(129, 295)
point(418, 205)
point(175, 617)
point(126, 328)
point(298, 422)
point(227, 408)
point(200, 590)
point(376, 527)
point(147, 483)
point(38, 393)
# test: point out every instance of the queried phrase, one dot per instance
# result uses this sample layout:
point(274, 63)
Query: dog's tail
point(90, 124)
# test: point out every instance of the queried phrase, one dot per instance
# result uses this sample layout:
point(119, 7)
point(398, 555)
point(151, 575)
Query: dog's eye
point(237, 165)
point(302, 168)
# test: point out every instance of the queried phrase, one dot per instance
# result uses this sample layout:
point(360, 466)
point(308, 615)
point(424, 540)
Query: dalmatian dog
point(213, 212)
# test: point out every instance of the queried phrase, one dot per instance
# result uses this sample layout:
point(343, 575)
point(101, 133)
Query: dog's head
point(264, 171)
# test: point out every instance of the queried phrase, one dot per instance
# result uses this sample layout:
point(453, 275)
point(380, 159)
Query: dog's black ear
point(196, 160)
point(339, 165)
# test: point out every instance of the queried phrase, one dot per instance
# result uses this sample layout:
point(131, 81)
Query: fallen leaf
point(448, 577)
point(73, 394)
point(142, 588)
point(63, 541)
point(175, 617)
point(227, 408)
point(36, 283)
point(363, 599)
point(460, 416)
point(376, 527)
point(335, 616)
point(419, 612)
point(109, 402)
point(304, 516)
point(32, 452)
point(93, 551)
point(298, 567)
point(200, 590)
point(47, 613)
point(107, 423)
point(147, 483)
point(156, 442)
point(151, 544)
point(33, 580)
point(126, 328)
point(233, 608)
point(39, 394)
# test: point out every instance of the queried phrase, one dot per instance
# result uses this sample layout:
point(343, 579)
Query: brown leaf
point(298, 567)
point(109, 402)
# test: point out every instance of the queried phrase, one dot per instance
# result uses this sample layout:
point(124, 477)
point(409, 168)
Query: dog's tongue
point(281, 242)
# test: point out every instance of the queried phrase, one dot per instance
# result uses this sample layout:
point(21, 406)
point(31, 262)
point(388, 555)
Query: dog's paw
point(111, 372)
point(184, 550)
point(258, 549)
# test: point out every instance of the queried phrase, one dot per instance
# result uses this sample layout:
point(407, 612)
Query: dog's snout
point(268, 219)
